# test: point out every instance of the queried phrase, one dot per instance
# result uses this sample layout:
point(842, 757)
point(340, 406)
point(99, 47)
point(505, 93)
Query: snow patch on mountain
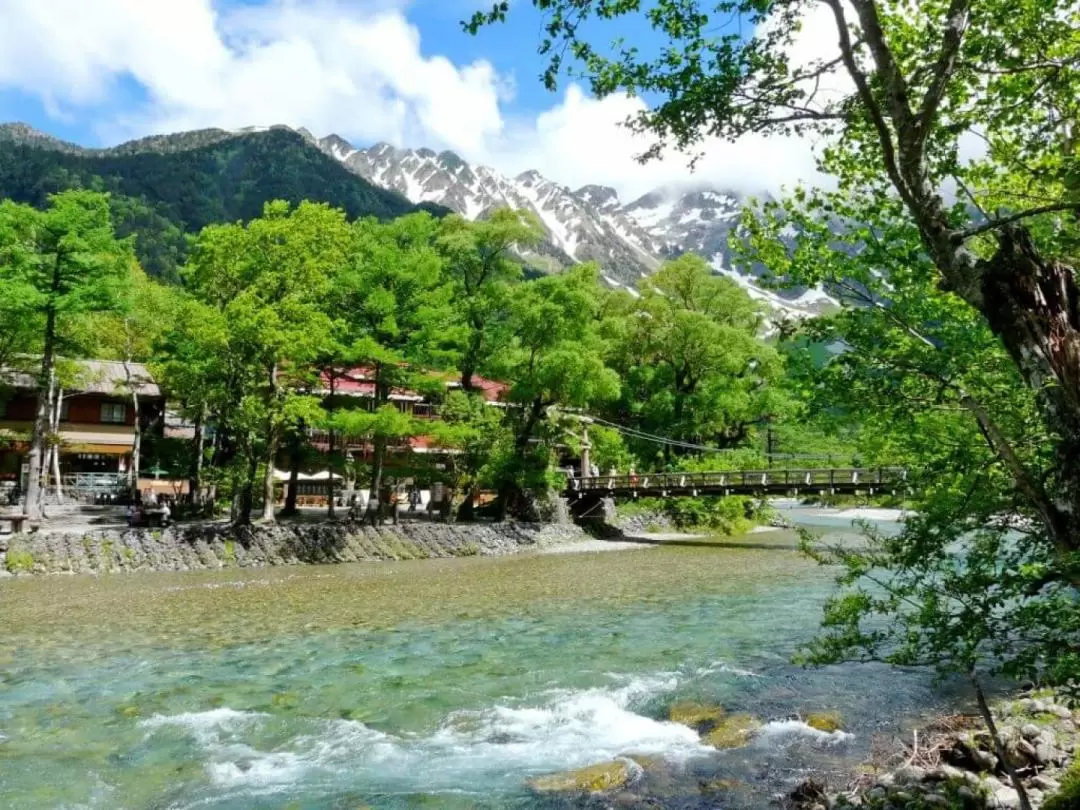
point(628, 241)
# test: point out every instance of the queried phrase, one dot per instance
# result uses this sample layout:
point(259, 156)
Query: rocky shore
point(217, 545)
point(953, 763)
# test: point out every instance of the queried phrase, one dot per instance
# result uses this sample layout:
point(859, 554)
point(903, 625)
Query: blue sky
point(98, 72)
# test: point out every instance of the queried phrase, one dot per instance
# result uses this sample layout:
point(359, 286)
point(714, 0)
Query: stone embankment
point(213, 546)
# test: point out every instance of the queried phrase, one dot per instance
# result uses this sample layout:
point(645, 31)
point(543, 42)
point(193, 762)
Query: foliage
point(482, 272)
point(960, 354)
point(1068, 796)
point(19, 561)
point(693, 367)
point(266, 282)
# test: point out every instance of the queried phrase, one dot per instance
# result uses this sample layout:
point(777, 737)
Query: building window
point(113, 412)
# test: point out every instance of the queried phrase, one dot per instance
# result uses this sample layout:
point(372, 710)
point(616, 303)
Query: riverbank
point(953, 762)
point(212, 546)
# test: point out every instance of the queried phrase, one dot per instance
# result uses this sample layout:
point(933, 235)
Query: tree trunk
point(136, 447)
point(378, 449)
point(999, 746)
point(294, 473)
point(330, 448)
point(36, 455)
point(469, 360)
point(378, 458)
point(268, 478)
point(247, 492)
point(195, 471)
point(1033, 306)
point(54, 449)
point(271, 449)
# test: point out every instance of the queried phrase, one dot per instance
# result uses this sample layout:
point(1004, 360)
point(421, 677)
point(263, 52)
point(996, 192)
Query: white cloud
point(355, 68)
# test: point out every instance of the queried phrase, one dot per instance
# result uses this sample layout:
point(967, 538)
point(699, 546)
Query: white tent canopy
point(323, 475)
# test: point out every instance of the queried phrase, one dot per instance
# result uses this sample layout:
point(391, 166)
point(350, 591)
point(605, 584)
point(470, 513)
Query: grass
point(19, 561)
point(1068, 798)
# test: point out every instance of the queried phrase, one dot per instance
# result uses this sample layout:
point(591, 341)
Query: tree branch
point(993, 224)
point(862, 85)
point(956, 23)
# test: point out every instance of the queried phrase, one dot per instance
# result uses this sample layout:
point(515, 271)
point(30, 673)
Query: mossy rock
point(733, 731)
point(597, 778)
point(699, 716)
point(825, 721)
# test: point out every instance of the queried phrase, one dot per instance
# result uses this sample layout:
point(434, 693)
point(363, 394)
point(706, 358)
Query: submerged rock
point(824, 721)
point(733, 731)
point(699, 716)
point(597, 778)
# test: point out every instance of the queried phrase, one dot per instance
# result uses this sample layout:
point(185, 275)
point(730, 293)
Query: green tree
point(63, 263)
point(920, 78)
point(557, 357)
point(480, 264)
point(395, 303)
point(268, 279)
point(131, 334)
point(694, 366)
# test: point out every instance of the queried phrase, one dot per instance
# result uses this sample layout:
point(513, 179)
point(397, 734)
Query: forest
point(272, 313)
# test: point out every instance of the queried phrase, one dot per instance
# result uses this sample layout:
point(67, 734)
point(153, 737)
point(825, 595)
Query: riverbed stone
point(824, 721)
point(699, 716)
point(732, 731)
point(1004, 798)
point(598, 778)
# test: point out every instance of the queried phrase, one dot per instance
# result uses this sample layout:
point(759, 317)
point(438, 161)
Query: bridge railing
point(845, 477)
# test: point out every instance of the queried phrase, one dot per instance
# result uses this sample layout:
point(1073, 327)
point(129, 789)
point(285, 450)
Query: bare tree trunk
point(46, 381)
point(54, 449)
point(332, 441)
point(271, 450)
point(195, 472)
point(378, 459)
point(268, 479)
point(999, 745)
point(136, 447)
point(294, 473)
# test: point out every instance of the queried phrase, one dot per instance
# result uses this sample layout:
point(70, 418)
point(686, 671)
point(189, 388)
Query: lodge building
point(97, 419)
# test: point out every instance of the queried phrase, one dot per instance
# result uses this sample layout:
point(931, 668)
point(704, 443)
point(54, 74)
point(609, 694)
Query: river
point(440, 683)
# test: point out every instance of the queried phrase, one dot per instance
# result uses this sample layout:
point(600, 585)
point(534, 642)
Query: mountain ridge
point(628, 241)
point(165, 187)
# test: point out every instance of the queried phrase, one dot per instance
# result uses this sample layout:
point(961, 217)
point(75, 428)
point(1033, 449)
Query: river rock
point(603, 776)
point(1030, 731)
point(699, 716)
point(1059, 711)
point(910, 774)
point(1004, 798)
point(1045, 783)
point(824, 721)
point(733, 731)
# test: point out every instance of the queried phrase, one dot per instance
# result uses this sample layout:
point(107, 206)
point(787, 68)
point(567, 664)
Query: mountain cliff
point(627, 240)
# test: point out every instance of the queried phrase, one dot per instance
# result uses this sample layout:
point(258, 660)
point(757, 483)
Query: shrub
point(1068, 798)
point(19, 560)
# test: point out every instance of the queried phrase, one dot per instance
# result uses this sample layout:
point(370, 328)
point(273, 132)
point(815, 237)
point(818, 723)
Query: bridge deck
point(739, 482)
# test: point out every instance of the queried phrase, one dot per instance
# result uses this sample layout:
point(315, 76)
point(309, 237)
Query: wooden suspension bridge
point(586, 495)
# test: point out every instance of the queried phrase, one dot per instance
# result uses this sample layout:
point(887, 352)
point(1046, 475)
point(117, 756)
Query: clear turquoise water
point(425, 684)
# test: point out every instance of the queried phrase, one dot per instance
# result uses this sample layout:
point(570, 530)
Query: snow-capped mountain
point(627, 240)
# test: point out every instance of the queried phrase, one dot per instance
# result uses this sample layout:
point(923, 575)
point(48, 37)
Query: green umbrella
point(156, 471)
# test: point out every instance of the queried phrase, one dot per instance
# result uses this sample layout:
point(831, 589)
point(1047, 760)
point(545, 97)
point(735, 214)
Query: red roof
point(356, 382)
